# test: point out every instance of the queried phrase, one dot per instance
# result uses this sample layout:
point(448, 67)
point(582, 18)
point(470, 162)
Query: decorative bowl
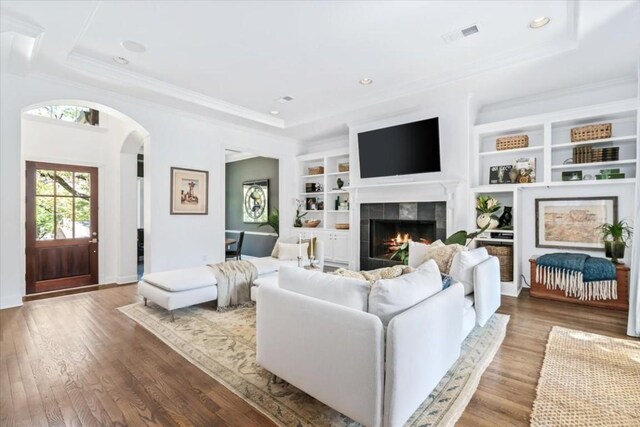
point(311, 223)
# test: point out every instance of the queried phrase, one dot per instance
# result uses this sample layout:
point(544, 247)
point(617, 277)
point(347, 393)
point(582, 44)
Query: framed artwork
point(255, 200)
point(189, 192)
point(572, 222)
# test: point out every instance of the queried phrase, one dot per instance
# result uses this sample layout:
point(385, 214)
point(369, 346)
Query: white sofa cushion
point(390, 297)
point(183, 279)
point(463, 264)
point(347, 292)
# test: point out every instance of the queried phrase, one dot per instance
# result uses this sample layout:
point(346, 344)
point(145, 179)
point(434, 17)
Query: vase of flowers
point(298, 219)
point(486, 206)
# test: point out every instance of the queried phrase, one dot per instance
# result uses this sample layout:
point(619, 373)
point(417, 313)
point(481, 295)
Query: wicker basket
point(342, 225)
point(587, 133)
point(316, 170)
point(512, 142)
point(343, 167)
point(505, 256)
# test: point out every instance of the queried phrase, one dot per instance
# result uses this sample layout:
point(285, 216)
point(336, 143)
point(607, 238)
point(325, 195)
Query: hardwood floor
point(75, 360)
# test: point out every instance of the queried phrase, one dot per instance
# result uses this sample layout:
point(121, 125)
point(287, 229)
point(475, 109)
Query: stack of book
point(588, 154)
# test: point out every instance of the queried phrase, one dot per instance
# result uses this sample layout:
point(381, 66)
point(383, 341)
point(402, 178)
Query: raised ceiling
point(237, 58)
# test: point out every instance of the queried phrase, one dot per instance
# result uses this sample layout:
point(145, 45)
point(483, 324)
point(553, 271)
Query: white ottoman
point(176, 289)
point(262, 280)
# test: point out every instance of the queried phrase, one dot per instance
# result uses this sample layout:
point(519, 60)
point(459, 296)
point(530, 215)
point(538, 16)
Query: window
point(68, 113)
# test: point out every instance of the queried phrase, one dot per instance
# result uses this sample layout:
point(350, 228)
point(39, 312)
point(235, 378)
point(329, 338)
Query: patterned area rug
point(588, 380)
point(223, 346)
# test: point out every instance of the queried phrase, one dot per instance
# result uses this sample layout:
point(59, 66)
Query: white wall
point(55, 141)
point(175, 139)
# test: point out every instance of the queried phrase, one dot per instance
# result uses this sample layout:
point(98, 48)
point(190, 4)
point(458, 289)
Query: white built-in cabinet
point(336, 241)
point(550, 143)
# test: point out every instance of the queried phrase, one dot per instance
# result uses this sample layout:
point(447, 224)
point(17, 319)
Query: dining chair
point(237, 252)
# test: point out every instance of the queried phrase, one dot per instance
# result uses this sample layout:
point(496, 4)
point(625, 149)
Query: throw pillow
point(293, 239)
point(373, 275)
point(417, 253)
point(352, 293)
point(292, 251)
point(463, 265)
point(443, 254)
point(390, 297)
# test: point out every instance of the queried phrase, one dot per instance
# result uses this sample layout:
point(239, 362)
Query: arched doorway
point(63, 144)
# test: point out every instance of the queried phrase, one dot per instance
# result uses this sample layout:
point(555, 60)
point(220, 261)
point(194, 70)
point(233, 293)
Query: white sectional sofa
point(331, 339)
point(180, 288)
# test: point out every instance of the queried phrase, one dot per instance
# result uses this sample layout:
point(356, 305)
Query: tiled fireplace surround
point(424, 213)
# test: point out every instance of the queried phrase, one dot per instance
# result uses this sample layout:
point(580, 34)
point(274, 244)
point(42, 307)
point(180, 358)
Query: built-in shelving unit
point(551, 146)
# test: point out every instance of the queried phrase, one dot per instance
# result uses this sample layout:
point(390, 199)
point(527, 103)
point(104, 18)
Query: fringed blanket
point(578, 275)
point(235, 279)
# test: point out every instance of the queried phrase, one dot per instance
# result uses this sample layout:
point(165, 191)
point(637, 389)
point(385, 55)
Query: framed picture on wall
point(572, 222)
point(189, 192)
point(255, 197)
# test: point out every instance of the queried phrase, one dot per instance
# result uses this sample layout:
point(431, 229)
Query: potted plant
point(298, 220)
point(616, 237)
point(273, 221)
point(486, 205)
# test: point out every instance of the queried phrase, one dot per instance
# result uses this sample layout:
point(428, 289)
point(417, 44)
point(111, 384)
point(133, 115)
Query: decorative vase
point(506, 217)
point(614, 250)
point(340, 183)
point(487, 219)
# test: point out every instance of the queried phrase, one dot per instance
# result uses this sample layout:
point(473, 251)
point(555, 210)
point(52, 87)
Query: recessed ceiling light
point(275, 112)
point(539, 22)
point(120, 60)
point(366, 81)
point(132, 46)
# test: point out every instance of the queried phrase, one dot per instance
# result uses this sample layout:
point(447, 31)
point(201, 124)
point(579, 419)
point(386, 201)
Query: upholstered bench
point(176, 289)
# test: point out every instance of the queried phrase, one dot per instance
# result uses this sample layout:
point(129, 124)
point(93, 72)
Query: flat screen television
point(400, 150)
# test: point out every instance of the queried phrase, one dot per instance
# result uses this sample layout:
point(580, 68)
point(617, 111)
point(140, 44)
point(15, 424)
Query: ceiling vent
point(284, 99)
point(459, 34)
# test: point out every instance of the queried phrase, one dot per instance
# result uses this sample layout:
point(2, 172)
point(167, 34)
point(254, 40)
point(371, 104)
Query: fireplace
point(385, 226)
point(387, 235)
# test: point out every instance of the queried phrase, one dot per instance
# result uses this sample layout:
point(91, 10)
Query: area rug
point(223, 346)
point(588, 380)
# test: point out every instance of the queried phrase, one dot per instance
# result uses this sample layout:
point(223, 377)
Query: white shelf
point(513, 151)
point(481, 239)
point(312, 210)
point(594, 165)
point(337, 173)
point(316, 193)
point(496, 230)
point(497, 188)
point(335, 211)
point(337, 192)
point(629, 138)
point(320, 175)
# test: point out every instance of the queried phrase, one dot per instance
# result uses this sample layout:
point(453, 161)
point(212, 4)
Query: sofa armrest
point(486, 289)
point(422, 344)
point(331, 352)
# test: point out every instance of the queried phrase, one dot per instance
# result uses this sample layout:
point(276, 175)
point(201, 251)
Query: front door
point(62, 226)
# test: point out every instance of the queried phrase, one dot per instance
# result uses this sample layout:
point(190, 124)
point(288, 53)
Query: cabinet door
point(340, 247)
point(327, 242)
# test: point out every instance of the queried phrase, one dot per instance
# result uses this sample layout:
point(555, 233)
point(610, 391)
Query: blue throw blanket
point(578, 275)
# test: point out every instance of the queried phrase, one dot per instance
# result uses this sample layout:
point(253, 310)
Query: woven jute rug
point(223, 346)
point(588, 380)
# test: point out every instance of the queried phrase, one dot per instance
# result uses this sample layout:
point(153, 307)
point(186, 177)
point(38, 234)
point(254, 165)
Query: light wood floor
point(75, 360)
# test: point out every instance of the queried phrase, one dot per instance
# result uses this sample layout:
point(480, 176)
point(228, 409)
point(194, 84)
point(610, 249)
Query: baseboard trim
point(70, 291)
point(127, 279)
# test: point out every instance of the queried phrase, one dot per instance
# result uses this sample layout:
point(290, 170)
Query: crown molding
point(27, 39)
point(115, 73)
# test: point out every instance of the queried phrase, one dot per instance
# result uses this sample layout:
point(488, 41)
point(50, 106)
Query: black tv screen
point(400, 150)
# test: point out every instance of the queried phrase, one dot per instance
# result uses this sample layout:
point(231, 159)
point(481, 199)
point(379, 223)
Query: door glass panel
point(44, 218)
point(64, 217)
point(83, 217)
point(83, 184)
point(64, 183)
point(44, 182)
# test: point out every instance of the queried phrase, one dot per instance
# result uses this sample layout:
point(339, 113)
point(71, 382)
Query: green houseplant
point(273, 221)
point(616, 237)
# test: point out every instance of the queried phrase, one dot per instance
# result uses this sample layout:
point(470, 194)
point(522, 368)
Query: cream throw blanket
point(235, 279)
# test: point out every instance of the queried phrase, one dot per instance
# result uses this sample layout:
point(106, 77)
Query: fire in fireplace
point(387, 236)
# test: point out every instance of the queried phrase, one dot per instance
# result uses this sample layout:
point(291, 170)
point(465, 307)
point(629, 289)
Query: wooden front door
point(62, 226)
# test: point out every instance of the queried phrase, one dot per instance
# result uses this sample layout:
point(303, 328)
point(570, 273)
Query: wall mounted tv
point(400, 150)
